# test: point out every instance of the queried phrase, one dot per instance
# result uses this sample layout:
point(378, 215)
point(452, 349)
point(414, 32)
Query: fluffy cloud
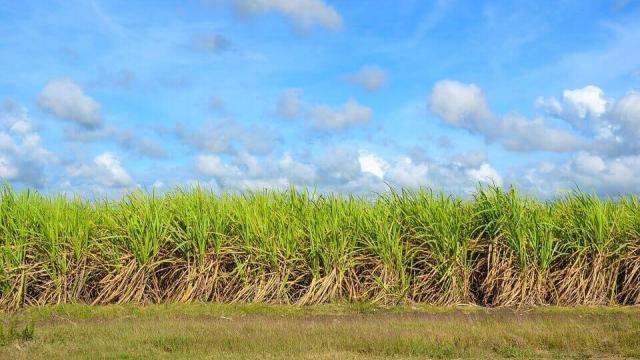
point(105, 169)
point(350, 113)
point(585, 171)
point(372, 164)
point(610, 162)
point(618, 129)
point(322, 117)
point(349, 170)
point(460, 105)
point(613, 125)
point(296, 171)
point(518, 133)
point(304, 13)
point(340, 163)
point(406, 173)
point(485, 174)
point(8, 171)
point(369, 77)
point(212, 165)
point(576, 105)
point(22, 156)
point(465, 106)
point(66, 100)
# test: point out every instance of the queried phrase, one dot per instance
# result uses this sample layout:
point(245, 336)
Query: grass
point(357, 331)
point(495, 248)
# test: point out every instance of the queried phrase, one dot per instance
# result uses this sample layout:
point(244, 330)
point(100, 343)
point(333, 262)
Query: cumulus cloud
point(465, 106)
point(618, 129)
point(459, 104)
point(518, 133)
point(350, 113)
point(470, 159)
point(406, 173)
point(609, 163)
point(372, 164)
point(611, 124)
point(340, 163)
point(586, 171)
point(105, 169)
point(8, 171)
point(212, 165)
point(304, 13)
point(346, 169)
point(369, 77)
point(296, 171)
point(575, 105)
point(23, 157)
point(485, 174)
point(290, 105)
point(245, 172)
point(66, 100)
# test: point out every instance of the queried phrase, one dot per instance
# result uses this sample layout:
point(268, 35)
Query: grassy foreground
point(496, 248)
point(324, 331)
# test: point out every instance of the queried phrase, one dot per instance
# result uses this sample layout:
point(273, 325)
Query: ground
point(321, 332)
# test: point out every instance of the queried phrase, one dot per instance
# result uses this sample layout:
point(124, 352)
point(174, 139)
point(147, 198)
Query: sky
point(101, 97)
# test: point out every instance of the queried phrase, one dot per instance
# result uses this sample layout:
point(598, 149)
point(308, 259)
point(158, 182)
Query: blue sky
point(99, 97)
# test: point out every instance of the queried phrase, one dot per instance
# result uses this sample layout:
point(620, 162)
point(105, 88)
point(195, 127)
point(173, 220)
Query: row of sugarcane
point(493, 248)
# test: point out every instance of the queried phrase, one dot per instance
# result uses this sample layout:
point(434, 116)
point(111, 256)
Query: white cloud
point(485, 174)
point(588, 100)
point(212, 165)
point(66, 100)
point(623, 123)
point(296, 171)
point(23, 158)
point(109, 165)
point(471, 159)
point(588, 172)
point(105, 169)
point(407, 174)
point(588, 164)
point(340, 164)
point(290, 105)
point(459, 104)
point(369, 77)
point(253, 165)
point(465, 106)
point(518, 133)
point(610, 162)
point(304, 13)
point(372, 164)
point(8, 171)
point(351, 113)
point(576, 105)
